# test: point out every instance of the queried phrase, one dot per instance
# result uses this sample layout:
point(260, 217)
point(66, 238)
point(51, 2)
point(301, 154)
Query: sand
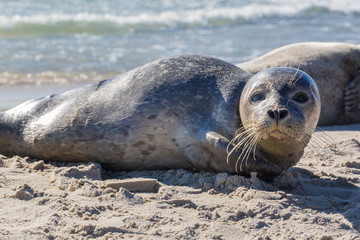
point(319, 198)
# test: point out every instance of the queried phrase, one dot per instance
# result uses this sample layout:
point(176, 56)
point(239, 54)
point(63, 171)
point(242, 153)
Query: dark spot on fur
point(173, 139)
point(144, 152)
point(155, 128)
point(151, 148)
point(119, 152)
point(152, 116)
point(176, 145)
point(150, 136)
point(177, 115)
point(138, 144)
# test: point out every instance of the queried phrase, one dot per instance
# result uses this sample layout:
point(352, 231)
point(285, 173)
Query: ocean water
point(70, 42)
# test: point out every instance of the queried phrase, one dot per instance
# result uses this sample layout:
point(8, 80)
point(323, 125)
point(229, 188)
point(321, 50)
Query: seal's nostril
point(278, 114)
point(283, 113)
point(271, 114)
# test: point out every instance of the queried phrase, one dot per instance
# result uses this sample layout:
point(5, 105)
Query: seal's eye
point(301, 98)
point(257, 97)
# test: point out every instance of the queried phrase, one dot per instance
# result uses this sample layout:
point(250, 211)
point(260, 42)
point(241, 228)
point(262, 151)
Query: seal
point(335, 67)
point(191, 112)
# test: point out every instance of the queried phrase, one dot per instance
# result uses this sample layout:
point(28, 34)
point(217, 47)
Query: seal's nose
point(278, 114)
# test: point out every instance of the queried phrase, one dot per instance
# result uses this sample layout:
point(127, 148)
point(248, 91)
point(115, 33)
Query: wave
point(108, 23)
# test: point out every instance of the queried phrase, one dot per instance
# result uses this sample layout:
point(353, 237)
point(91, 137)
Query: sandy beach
point(319, 198)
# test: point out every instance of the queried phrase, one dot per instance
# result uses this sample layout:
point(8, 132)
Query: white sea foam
point(204, 16)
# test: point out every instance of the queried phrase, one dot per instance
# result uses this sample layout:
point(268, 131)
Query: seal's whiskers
point(252, 147)
point(245, 140)
point(318, 140)
point(293, 78)
point(238, 146)
point(245, 149)
point(240, 136)
point(306, 140)
point(321, 135)
point(297, 80)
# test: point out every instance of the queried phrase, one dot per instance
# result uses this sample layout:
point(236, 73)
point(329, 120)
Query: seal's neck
point(284, 154)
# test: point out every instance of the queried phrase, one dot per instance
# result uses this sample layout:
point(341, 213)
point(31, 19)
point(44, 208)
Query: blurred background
point(51, 46)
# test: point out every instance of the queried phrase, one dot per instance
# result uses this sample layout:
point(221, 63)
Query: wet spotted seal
point(179, 112)
point(335, 67)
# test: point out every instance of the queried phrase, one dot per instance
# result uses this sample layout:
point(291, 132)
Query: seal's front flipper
point(352, 97)
point(208, 154)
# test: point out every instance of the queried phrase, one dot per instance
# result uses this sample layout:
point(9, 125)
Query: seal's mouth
point(278, 134)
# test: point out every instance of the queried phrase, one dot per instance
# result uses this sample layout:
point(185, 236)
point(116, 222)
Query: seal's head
point(279, 110)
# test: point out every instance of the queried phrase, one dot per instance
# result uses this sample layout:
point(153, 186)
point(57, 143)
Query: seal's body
point(179, 112)
point(335, 67)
